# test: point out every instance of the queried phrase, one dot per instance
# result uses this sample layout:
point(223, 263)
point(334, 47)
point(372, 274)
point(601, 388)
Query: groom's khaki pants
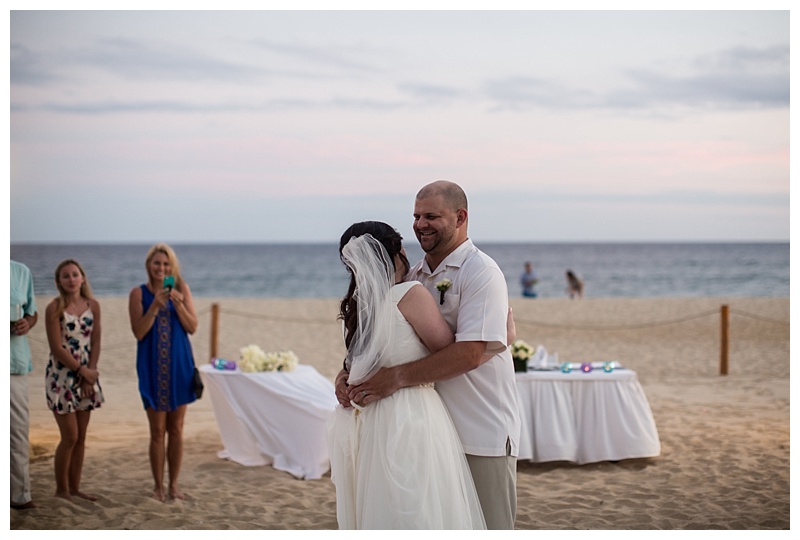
point(496, 483)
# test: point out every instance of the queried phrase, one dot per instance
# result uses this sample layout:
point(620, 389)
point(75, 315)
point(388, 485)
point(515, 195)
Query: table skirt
point(276, 418)
point(585, 417)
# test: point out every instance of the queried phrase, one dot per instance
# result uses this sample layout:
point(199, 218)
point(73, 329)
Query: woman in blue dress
point(162, 317)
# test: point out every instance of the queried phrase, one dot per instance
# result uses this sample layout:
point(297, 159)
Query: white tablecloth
point(585, 417)
point(276, 418)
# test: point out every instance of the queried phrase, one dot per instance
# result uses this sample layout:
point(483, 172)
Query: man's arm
point(455, 359)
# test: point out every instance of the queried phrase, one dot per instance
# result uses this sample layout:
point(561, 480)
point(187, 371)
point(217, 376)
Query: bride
point(396, 463)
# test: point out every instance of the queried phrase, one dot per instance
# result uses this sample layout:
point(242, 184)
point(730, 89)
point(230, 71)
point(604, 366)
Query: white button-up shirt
point(482, 402)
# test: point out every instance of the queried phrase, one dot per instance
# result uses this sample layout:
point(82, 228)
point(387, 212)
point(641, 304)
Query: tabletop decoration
point(254, 359)
point(588, 367)
point(442, 286)
point(221, 363)
point(521, 352)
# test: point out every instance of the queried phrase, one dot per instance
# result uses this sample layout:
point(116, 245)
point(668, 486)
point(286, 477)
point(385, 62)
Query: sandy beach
point(725, 439)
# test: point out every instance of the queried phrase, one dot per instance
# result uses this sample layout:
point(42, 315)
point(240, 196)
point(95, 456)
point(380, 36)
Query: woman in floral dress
point(71, 378)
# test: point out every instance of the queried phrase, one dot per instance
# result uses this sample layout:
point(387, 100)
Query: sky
point(288, 126)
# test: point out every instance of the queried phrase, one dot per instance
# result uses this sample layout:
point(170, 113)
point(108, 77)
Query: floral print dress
point(62, 385)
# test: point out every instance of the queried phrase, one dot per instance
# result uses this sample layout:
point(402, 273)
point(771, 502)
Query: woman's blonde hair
point(174, 264)
point(86, 289)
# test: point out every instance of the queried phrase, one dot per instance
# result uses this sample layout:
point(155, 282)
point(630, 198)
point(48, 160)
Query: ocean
point(314, 270)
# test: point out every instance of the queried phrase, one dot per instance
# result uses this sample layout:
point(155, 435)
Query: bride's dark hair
point(392, 242)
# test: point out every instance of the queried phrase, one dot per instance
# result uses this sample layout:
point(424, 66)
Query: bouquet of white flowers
point(253, 359)
point(521, 352)
point(281, 361)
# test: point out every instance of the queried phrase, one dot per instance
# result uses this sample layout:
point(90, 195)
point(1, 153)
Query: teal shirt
point(21, 295)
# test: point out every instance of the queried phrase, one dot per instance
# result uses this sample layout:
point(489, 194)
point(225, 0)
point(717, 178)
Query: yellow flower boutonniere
point(442, 286)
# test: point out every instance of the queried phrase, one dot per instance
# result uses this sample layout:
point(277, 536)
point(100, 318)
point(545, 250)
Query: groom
point(474, 375)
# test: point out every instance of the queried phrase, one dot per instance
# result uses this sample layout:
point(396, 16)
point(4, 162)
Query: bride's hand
point(341, 389)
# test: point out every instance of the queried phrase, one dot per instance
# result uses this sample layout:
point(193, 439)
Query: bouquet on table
point(521, 352)
point(253, 359)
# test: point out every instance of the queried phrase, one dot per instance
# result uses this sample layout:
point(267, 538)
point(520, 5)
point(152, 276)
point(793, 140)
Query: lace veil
point(374, 274)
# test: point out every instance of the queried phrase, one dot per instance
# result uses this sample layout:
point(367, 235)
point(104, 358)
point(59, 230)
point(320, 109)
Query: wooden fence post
point(724, 339)
point(214, 329)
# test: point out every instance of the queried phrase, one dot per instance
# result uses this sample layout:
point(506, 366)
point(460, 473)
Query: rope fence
point(616, 327)
point(273, 318)
point(759, 317)
point(724, 314)
point(724, 340)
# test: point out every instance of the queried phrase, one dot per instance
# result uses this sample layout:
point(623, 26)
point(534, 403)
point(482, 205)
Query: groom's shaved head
point(452, 194)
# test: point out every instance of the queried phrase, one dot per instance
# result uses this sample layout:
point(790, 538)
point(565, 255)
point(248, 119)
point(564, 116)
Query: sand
point(725, 439)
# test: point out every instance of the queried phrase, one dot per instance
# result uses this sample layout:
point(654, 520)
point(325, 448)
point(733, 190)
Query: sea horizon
point(313, 269)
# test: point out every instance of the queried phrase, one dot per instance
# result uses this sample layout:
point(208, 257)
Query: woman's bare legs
point(175, 449)
point(68, 428)
point(158, 425)
point(76, 461)
point(166, 427)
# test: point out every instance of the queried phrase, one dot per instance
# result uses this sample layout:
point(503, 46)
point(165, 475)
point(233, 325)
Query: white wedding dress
point(398, 463)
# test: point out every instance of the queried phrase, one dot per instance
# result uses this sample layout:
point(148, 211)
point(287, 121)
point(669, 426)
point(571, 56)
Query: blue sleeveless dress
point(164, 360)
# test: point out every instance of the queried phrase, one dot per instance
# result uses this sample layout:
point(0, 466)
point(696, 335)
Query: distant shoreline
point(315, 271)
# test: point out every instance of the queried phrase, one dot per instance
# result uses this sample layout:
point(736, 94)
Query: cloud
point(30, 68)
point(157, 67)
point(706, 90)
point(521, 92)
point(685, 197)
point(116, 107)
point(325, 57)
point(737, 59)
point(130, 59)
point(160, 60)
point(739, 78)
point(102, 107)
point(429, 92)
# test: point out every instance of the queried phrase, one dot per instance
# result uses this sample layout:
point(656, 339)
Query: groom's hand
point(383, 384)
point(511, 328)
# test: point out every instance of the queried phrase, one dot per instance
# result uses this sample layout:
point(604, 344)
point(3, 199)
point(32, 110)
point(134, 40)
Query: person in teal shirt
point(23, 318)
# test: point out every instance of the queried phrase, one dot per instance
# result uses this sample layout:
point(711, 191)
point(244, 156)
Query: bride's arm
point(419, 309)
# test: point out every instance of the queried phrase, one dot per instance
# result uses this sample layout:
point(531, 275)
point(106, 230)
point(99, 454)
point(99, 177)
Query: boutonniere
point(442, 286)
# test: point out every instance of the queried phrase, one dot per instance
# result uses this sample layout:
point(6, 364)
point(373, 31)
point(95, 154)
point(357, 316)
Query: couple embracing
point(427, 433)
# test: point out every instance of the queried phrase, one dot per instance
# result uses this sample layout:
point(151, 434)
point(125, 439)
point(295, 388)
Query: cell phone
point(169, 282)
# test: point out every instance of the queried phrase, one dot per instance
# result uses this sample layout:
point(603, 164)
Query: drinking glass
point(16, 314)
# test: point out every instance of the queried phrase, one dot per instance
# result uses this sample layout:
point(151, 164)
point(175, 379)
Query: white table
point(276, 418)
point(585, 417)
